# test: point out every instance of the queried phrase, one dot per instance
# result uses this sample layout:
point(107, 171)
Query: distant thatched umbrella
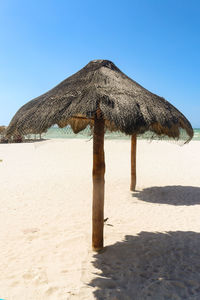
point(101, 96)
point(2, 133)
point(2, 129)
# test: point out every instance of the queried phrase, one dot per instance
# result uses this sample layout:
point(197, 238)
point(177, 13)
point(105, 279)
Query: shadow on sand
point(174, 195)
point(154, 266)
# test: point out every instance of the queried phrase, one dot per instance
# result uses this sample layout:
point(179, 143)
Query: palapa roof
point(125, 105)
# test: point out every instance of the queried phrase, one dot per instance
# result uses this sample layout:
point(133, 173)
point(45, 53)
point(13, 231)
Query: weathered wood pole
point(98, 182)
point(133, 162)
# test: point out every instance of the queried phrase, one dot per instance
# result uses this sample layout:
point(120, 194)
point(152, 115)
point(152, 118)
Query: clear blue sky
point(155, 42)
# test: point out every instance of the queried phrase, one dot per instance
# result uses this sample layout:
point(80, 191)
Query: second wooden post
point(133, 162)
point(98, 182)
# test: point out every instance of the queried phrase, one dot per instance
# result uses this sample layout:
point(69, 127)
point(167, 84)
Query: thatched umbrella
point(101, 96)
point(2, 129)
point(2, 133)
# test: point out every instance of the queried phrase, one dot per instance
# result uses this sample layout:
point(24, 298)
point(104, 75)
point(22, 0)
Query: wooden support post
point(133, 162)
point(98, 182)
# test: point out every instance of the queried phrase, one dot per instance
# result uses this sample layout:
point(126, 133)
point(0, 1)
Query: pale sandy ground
point(152, 236)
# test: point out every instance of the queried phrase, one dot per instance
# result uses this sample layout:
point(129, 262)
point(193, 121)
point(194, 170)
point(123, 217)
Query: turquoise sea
point(66, 133)
point(196, 134)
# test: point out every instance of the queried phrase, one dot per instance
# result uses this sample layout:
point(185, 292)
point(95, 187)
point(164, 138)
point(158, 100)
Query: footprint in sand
point(51, 290)
point(14, 283)
point(36, 276)
point(31, 233)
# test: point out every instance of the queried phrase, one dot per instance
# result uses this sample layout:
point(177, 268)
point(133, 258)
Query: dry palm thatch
point(126, 106)
point(101, 96)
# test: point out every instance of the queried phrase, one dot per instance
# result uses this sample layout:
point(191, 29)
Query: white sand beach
point(152, 236)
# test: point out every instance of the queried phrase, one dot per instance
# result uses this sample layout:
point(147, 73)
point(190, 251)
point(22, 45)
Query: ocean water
point(196, 134)
point(67, 133)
